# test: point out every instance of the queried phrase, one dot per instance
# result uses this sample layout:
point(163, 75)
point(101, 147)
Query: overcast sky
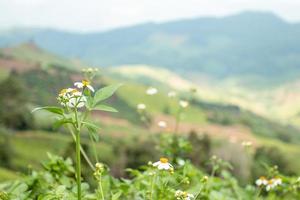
point(94, 15)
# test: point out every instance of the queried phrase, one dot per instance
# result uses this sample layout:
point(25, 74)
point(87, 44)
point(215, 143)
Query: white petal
point(78, 84)
point(156, 164)
point(90, 88)
point(258, 182)
point(165, 166)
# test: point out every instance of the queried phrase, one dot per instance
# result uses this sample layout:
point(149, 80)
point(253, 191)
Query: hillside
point(265, 53)
point(44, 81)
point(224, 126)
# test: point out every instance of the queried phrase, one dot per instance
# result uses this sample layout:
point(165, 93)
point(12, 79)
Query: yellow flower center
point(74, 91)
point(262, 178)
point(85, 83)
point(163, 160)
point(62, 92)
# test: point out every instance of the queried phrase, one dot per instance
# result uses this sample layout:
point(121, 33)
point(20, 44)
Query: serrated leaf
point(105, 93)
point(104, 108)
point(52, 109)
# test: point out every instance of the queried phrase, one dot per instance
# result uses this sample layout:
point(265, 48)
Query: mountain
point(254, 48)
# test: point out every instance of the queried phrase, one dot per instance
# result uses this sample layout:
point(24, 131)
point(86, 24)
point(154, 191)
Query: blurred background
point(237, 62)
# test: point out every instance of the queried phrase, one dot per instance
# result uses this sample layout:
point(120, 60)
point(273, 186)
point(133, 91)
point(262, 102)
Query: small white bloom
point(84, 83)
point(71, 97)
point(277, 181)
point(162, 124)
point(171, 94)
point(141, 106)
point(183, 104)
point(163, 164)
point(151, 91)
point(183, 195)
point(77, 100)
point(261, 181)
point(180, 162)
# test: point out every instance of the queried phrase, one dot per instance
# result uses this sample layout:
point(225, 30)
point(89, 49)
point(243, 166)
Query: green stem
point(100, 187)
point(78, 165)
point(152, 186)
point(258, 193)
point(78, 160)
point(82, 150)
point(94, 148)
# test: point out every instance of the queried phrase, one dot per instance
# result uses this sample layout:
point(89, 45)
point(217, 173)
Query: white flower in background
point(171, 94)
point(90, 70)
point(151, 91)
point(183, 103)
point(84, 83)
point(181, 195)
point(163, 163)
point(261, 181)
point(180, 162)
point(162, 124)
point(141, 106)
point(246, 144)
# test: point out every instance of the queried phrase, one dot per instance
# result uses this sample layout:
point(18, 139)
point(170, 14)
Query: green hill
point(226, 124)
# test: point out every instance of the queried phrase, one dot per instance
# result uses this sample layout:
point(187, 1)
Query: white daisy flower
point(141, 106)
point(171, 94)
point(84, 83)
point(271, 185)
point(162, 124)
point(71, 97)
point(180, 195)
point(183, 104)
point(277, 181)
point(76, 99)
point(151, 91)
point(261, 181)
point(163, 164)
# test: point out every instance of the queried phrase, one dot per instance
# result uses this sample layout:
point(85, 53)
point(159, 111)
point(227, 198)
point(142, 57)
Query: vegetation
point(173, 178)
point(174, 130)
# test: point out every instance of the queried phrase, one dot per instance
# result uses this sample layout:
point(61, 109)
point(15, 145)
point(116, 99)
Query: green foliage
point(13, 104)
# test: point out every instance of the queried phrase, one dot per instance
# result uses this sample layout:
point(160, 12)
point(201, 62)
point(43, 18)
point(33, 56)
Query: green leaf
point(105, 93)
point(93, 130)
point(53, 109)
point(61, 122)
point(104, 108)
point(116, 196)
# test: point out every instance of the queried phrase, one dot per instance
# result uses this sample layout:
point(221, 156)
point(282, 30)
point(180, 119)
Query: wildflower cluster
point(268, 184)
point(180, 195)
